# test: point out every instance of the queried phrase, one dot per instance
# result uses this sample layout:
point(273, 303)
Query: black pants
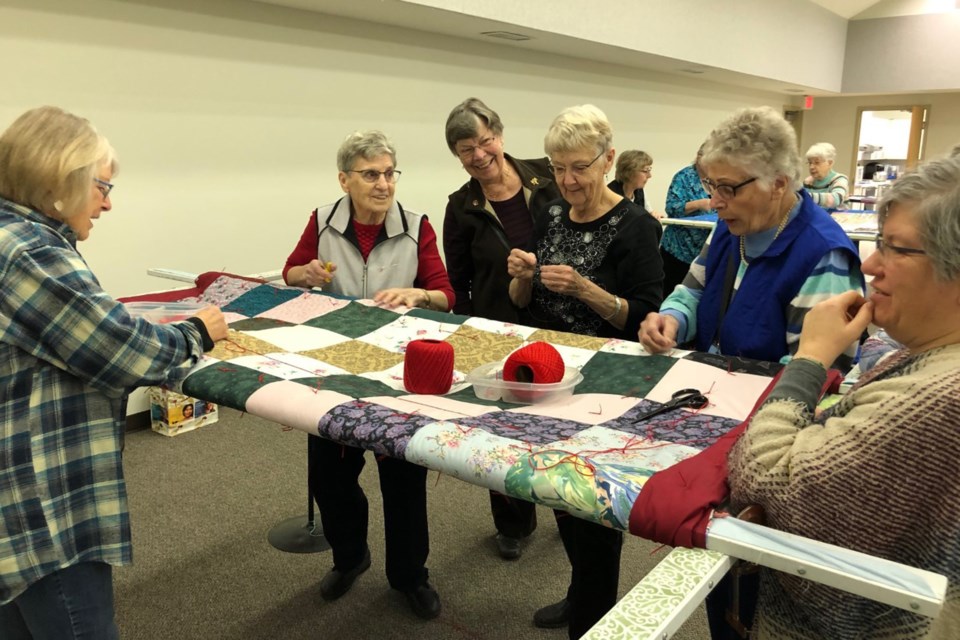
point(594, 554)
point(674, 271)
point(513, 517)
point(334, 473)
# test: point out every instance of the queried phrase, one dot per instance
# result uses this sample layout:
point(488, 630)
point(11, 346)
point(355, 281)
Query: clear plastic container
point(163, 312)
point(488, 384)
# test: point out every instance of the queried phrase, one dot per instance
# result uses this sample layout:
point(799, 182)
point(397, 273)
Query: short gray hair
point(630, 162)
point(932, 194)
point(579, 127)
point(822, 150)
point(49, 159)
point(364, 144)
point(761, 142)
point(465, 120)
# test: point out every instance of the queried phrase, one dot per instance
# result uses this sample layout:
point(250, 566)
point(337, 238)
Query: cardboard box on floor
point(172, 413)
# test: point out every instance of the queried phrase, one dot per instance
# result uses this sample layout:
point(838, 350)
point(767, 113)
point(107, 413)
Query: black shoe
point(553, 616)
point(337, 582)
point(424, 601)
point(508, 547)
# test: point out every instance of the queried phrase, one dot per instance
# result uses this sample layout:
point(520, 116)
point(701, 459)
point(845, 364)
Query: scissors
point(684, 398)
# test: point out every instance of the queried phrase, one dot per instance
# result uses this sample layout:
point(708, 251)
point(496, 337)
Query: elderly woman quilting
point(366, 245)
point(772, 255)
point(879, 472)
point(595, 270)
point(826, 187)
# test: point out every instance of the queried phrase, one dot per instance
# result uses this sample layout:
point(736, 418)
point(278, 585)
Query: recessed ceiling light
point(794, 90)
point(506, 35)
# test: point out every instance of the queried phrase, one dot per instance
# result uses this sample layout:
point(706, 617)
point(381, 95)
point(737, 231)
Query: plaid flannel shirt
point(69, 355)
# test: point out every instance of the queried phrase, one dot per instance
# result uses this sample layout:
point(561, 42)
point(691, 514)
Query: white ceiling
point(846, 8)
point(460, 25)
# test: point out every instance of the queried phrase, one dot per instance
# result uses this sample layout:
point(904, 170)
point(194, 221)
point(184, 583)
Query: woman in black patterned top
point(596, 270)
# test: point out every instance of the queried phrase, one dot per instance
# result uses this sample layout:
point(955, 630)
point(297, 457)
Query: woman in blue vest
point(771, 257)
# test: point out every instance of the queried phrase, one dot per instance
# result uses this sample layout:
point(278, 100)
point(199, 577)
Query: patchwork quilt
point(334, 367)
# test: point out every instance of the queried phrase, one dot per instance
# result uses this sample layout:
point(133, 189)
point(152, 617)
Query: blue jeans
point(70, 604)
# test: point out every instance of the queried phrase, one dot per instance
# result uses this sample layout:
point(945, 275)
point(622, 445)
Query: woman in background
point(680, 246)
point(634, 168)
point(826, 187)
point(69, 355)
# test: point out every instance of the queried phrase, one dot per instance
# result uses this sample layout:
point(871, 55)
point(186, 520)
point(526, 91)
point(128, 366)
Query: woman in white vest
point(367, 246)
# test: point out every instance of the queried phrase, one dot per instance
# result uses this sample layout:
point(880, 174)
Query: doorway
point(890, 141)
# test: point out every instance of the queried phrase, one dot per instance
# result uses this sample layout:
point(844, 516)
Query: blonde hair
point(578, 128)
point(49, 159)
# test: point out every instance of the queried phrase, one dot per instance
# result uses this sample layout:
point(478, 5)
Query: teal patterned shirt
point(684, 243)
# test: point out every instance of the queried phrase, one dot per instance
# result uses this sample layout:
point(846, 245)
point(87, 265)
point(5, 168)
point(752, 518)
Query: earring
point(58, 205)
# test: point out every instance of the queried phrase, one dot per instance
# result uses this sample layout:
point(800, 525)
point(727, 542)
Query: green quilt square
point(622, 374)
point(354, 320)
point(226, 384)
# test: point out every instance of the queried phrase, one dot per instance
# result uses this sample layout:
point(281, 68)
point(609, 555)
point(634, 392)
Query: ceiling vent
point(506, 35)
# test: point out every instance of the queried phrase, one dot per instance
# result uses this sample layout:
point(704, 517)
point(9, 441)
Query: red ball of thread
point(538, 362)
point(428, 367)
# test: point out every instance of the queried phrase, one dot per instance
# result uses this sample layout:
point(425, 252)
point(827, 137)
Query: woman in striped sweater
point(826, 187)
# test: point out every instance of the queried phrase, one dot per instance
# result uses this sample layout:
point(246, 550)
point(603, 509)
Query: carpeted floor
point(203, 502)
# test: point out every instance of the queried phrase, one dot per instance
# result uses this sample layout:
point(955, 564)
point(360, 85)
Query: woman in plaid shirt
point(69, 355)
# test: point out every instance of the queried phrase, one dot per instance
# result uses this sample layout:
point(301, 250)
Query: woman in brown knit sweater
point(880, 471)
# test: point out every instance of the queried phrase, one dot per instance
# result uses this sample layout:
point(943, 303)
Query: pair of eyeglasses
point(725, 191)
point(103, 187)
point(465, 153)
point(883, 246)
point(372, 175)
point(577, 170)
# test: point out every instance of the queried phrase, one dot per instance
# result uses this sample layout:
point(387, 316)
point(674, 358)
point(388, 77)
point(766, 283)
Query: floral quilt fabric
point(334, 367)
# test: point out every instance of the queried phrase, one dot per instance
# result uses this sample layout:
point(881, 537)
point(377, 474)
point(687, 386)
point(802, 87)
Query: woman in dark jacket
point(487, 217)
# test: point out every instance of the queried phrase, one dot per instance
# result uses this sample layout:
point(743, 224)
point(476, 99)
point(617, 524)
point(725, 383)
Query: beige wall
point(834, 120)
point(227, 115)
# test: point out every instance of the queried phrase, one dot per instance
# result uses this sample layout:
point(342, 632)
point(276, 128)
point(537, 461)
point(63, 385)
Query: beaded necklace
point(780, 227)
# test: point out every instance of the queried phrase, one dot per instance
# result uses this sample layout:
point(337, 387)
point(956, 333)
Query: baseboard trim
point(138, 421)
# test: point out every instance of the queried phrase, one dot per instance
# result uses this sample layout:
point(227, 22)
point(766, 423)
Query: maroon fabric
point(675, 504)
point(201, 283)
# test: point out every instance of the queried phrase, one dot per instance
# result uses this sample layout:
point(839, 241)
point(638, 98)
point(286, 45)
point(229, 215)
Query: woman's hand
point(833, 325)
point(658, 332)
point(212, 318)
point(563, 279)
point(408, 297)
point(521, 264)
point(313, 274)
